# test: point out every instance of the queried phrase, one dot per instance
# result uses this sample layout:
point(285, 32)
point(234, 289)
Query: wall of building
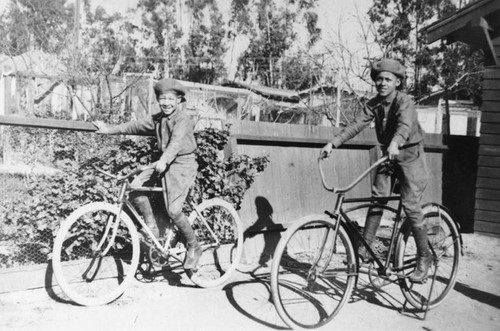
point(487, 206)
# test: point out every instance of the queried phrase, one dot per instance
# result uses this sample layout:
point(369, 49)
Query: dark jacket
point(395, 120)
point(175, 135)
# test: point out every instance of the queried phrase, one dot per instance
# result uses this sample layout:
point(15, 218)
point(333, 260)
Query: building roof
point(477, 24)
point(268, 92)
point(31, 63)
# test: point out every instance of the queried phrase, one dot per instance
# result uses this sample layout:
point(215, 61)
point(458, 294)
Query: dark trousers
point(411, 172)
point(176, 182)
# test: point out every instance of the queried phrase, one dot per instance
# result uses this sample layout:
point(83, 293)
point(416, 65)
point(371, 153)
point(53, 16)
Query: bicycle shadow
point(252, 298)
point(171, 274)
point(383, 297)
point(490, 299)
point(52, 288)
point(270, 231)
point(364, 291)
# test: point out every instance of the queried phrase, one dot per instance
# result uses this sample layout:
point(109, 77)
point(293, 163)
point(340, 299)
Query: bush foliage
point(30, 222)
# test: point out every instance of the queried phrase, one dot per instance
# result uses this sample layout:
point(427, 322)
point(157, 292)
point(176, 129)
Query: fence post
point(5, 109)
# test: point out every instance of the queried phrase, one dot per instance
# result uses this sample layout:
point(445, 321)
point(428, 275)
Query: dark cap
point(389, 65)
point(169, 84)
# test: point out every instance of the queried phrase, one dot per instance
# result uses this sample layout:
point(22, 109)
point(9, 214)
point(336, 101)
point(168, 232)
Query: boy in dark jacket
point(177, 165)
point(401, 137)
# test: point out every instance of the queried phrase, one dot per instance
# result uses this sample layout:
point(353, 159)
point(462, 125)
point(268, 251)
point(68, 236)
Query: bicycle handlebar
point(127, 176)
point(354, 183)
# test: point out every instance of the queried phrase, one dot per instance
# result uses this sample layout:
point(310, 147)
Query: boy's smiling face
point(386, 83)
point(169, 102)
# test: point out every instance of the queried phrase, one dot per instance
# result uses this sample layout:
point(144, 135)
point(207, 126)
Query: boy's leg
point(178, 179)
point(381, 187)
point(141, 201)
point(413, 183)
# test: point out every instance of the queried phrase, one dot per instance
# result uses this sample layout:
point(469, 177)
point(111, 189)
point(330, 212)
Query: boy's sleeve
point(145, 126)
point(407, 117)
point(361, 121)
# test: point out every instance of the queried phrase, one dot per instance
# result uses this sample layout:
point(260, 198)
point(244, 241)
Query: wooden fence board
point(492, 73)
point(489, 150)
point(489, 139)
point(488, 161)
point(47, 123)
point(491, 95)
point(490, 106)
point(491, 84)
point(488, 205)
point(489, 172)
point(486, 227)
point(490, 128)
point(487, 194)
point(490, 117)
point(488, 183)
point(485, 215)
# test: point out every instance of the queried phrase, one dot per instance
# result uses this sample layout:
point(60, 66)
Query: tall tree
point(451, 68)
point(159, 16)
point(36, 25)
point(272, 34)
point(206, 45)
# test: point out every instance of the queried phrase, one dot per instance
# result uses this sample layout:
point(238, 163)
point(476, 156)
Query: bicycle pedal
point(423, 281)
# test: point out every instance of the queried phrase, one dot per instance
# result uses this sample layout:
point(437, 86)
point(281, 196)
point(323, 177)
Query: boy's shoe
point(423, 264)
point(364, 255)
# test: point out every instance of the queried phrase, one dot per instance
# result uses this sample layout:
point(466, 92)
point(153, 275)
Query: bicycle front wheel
point(219, 230)
point(85, 272)
point(312, 274)
point(445, 243)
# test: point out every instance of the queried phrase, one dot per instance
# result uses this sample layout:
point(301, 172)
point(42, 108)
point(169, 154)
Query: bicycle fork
point(112, 224)
point(315, 269)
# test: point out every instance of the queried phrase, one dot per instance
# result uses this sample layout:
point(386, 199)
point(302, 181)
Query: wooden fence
point(290, 186)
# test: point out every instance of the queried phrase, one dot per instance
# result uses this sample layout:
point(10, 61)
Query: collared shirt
point(175, 133)
point(395, 118)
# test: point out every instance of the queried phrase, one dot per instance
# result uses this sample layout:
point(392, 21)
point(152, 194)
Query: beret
point(389, 65)
point(169, 84)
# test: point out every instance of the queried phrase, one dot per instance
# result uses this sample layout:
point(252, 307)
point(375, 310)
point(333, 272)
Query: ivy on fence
point(29, 223)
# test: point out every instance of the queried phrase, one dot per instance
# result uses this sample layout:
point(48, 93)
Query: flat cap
point(169, 84)
point(389, 65)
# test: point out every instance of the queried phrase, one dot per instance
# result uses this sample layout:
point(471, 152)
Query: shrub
point(30, 223)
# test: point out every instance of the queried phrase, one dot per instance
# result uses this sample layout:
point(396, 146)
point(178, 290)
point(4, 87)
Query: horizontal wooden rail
point(45, 123)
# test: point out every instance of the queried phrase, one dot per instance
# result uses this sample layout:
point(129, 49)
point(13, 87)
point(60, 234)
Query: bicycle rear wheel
point(83, 274)
point(444, 239)
point(219, 230)
point(311, 277)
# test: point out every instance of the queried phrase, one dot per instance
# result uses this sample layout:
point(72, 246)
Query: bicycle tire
point(105, 279)
point(307, 296)
point(446, 246)
point(218, 262)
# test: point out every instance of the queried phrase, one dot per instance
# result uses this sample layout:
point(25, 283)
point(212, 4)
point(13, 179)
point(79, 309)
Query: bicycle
point(97, 248)
point(316, 265)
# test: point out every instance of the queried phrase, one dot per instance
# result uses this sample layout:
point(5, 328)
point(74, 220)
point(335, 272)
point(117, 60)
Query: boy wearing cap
point(177, 165)
point(401, 137)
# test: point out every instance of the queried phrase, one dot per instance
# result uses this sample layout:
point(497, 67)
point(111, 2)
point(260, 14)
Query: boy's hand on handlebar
point(393, 150)
point(160, 167)
point(326, 151)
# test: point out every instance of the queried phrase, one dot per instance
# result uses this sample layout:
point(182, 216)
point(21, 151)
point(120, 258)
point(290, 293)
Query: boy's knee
point(175, 212)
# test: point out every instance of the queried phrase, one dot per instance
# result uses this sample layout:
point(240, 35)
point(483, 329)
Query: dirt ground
point(244, 304)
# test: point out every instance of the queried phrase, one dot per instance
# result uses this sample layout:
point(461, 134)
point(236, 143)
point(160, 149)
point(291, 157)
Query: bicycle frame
point(123, 201)
point(353, 229)
point(340, 214)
